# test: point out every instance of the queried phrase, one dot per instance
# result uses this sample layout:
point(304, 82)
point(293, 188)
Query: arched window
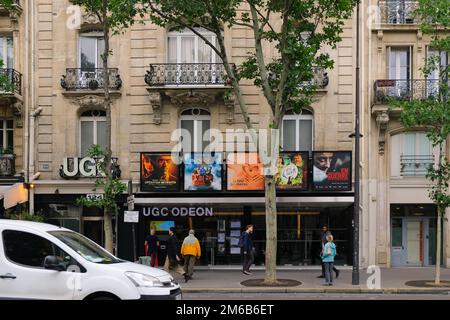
point(298, 131)
point(184, 46)
point(197, 122)
point(92, 130)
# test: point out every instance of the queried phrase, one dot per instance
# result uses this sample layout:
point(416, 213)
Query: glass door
point(400, 71)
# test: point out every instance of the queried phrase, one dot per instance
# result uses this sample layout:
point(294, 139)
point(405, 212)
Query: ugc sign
point(177, 212)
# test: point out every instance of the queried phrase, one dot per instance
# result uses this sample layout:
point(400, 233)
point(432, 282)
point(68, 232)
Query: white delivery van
point(42, 261)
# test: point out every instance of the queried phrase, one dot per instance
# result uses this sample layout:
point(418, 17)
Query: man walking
point(172, 257)
point(152, 245)
point(325, 234)
point(248, 249)
point(190, 250)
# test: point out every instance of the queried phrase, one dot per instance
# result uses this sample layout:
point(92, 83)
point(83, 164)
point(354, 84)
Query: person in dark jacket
point(152, 243)
point(248, 249)
point(325, 234)
point(173, 250)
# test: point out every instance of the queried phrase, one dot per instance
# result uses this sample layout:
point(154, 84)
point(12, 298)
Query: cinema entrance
point(218, 224)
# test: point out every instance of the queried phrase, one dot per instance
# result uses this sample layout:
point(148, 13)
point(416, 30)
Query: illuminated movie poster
point(158, 172)
point(332, 170)
point(244, 172)
point(292, 171)
point(203, 172)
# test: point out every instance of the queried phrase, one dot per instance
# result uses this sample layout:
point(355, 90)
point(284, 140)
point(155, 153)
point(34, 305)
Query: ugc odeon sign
point(177, 212)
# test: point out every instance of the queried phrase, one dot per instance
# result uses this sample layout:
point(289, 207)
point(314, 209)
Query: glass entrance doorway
point(413, 235)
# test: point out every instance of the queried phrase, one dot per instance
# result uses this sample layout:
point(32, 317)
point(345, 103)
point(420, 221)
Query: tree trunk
point(108, 229)
point(271, 231)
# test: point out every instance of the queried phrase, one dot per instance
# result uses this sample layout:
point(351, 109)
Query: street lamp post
point(357, 134)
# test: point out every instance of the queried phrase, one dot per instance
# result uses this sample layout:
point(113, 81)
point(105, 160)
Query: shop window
point(91, 48)
point(196, 122)
point(411, 154)
point(6, 136)
point(298, 131)
point(92, 130)
point(7, 52)
point(184, 46)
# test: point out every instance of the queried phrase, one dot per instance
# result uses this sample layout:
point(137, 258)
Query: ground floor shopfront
point(218, 224)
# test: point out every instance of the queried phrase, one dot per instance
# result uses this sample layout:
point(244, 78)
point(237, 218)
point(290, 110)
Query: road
point(312, 296)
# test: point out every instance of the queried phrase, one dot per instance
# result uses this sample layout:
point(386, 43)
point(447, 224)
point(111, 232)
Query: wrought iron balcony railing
point(397, 11)
point(90, 79)
point(415, 165)
point(182, 74)
point(405, 90)
point(11, 81)
point(320, 79)
point(7, 165)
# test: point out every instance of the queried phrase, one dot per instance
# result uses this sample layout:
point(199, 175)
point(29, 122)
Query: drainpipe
point(31, 175)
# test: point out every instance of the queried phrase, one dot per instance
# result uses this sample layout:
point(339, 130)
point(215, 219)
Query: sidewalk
point(392, 281)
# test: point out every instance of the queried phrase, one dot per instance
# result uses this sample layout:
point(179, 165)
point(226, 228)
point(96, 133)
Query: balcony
point(186, 74)
point(398, 12)
point(320, 79)
point(7, 165)
point(12, 82)
point(405, 90)
point(77, 79)
point(415, 165)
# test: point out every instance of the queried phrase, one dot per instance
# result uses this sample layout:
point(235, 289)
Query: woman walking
point(328, 254)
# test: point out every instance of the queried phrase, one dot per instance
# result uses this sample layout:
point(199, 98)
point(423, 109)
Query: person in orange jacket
point(190, 250)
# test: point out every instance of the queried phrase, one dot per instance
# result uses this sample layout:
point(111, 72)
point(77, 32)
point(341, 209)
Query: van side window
point(30, 250)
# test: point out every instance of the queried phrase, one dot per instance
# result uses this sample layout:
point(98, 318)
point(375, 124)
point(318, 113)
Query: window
point(399, 69)
point(298, 132)
point(197, 122)
point(7, 136)
point(30, 250)
point(441, 62)
point(7, 51)
point(91, 48)
point(186, 47)
point(92, 130)
point(412, 153)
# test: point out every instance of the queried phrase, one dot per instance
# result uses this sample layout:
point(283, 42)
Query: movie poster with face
point(332, 171)
point(159, 172)
point(292, 171)
point(244, 172)
point(203, 172)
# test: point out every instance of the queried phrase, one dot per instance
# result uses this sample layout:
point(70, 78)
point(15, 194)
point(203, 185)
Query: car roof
point(45, 227)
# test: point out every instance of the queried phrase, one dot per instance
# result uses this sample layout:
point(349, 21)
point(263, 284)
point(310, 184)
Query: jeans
point(323, 269)
point(249, 257)
point(328, 272)
point(152, 258)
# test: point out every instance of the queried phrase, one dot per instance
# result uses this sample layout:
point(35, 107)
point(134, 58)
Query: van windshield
point(85, 247)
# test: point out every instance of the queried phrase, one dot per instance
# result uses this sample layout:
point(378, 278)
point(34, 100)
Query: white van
point(42, 261)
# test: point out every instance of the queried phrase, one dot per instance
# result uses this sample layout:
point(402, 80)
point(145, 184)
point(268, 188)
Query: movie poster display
point(203, 172)
point(159, 172)
point(244, 172)
point(332, 170)
point(292, 171)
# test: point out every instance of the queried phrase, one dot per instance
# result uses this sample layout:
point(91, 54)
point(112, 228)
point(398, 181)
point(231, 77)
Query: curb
point(320, 290)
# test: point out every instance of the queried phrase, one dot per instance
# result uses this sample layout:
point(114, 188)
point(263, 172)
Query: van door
point(22, 272)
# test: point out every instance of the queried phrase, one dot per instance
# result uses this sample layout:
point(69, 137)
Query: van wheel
point(101, 296)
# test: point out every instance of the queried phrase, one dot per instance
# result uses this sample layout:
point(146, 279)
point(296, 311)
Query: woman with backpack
point(328, 254)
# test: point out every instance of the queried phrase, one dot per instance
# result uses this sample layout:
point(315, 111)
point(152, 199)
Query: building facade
point(168, 79)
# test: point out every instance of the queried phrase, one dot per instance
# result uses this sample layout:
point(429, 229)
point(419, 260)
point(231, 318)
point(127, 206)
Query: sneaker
point(337, 273)
point(321, 277)
point(186, 278)
point(326, 284)
point(246, 273)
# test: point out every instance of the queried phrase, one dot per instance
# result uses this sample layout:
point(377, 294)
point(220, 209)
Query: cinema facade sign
point(177, 211)
point(87, 167)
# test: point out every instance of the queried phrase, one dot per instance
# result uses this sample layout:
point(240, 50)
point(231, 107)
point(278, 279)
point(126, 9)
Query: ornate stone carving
point(17, 110)
point(90, 19)
point(192, 99)
point(91, 101)
point(156, 103)
point(382, 122)
point(230, 102)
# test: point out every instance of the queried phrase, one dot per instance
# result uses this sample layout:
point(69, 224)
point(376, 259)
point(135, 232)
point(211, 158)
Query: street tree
point(296, 30)
point(109, 13)
point(431, 113)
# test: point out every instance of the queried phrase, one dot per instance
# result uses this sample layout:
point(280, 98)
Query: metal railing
point(397, 11)
point(179, 74)
point(405, 90)
point(320, 79)
point(415, 165)
point(90, 79)
point(11, 81)
point(7, 165)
